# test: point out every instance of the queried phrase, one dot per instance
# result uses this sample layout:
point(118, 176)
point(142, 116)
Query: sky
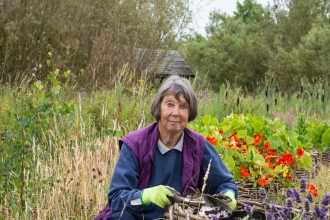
point(202, 8)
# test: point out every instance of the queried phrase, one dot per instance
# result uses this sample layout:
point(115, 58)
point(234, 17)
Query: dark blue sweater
point(168, 171)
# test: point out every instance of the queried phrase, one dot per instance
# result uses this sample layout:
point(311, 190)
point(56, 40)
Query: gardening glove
point(229, 193)
point(158, 195)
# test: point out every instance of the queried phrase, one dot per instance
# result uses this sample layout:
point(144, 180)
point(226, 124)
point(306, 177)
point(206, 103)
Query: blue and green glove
point(229, 193)
point(158, 195)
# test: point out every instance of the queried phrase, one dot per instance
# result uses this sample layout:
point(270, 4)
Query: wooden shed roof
point(170, 63)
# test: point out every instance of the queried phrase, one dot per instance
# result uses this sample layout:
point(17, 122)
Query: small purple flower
point(326, 200)
point(309, 197)
point(286, 212)
point(306, 205)
point(262, 193)
point(289, 203)
point(320, 213)
point(4, 174)
point(270, 216)
point(3, 138)
point(290, 193)
point(90, 203)
point(214, 217)
point(303, 183)
point(248, 210)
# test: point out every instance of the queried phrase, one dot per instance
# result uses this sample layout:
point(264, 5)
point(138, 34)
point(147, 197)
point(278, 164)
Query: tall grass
point(72, 164)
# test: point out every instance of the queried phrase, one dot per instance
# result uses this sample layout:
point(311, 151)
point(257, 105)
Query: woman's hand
point(231, 195)
point(158, 195)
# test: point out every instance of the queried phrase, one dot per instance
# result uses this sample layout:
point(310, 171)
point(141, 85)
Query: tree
point(235, 51)
point(91, 38)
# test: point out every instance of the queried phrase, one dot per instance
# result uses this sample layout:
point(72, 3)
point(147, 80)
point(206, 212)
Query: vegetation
point(286, 41)
point(71, 86)
point(91, 38)
point(59, 147)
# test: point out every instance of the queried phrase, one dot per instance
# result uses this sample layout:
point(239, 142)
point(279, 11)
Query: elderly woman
point(163, 155)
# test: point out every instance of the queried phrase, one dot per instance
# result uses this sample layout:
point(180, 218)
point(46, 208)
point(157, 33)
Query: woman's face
point(174, 114)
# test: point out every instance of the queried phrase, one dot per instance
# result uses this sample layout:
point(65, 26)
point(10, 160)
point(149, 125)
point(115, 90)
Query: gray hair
point(176, 86)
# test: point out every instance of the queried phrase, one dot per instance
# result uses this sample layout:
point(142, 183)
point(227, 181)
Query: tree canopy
point(287, 40)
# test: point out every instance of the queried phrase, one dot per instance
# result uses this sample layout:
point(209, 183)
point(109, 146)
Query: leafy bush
point(255, 148)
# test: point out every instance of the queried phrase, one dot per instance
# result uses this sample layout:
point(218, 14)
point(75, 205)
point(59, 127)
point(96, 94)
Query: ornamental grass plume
point(299, 204)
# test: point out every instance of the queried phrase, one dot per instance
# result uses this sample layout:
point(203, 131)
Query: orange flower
point(221, 132)
point(271, 152)
point(257, 136)
point(257, 142)
point(244, 172)
point(312, 189)
point(212, 140)
point(262, 181)
point(266, 145)
point(289, 176)
point(285, 159)
point(300, 152)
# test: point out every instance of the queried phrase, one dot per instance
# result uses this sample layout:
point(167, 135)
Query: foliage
point(23, 142)
point(255, 148)
point(231, 54)
point(286, 40)
point(91, 38)
point(69, 138)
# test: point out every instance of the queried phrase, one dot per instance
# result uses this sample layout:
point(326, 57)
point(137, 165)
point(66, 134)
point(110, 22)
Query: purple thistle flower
point(326, 200)
point(3, 138)
point(303, 183)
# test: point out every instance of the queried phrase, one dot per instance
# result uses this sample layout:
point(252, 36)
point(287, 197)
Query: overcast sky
point(202, 8)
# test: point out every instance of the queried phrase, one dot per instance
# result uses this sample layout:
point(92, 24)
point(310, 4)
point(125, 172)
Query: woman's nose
point(175, 110)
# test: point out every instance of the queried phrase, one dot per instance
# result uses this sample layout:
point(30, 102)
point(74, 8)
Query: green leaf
point(230, 163)
point(326, 138)
point(236, 173)
point(278, 169)
point(50, 77)
point(227, 131)
point(206, 120)
point(48, 63)
point(241, 134)
point(259, 160)
point(305, 162)
point(292, 138)
point(229, 152)
point(258, 126)
point(66, 74)
point(214, 121)
point(275, 141)
point(249, 140)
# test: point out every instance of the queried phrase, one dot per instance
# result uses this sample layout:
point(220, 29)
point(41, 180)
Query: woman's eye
point(184, 107)
point(169, 104)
